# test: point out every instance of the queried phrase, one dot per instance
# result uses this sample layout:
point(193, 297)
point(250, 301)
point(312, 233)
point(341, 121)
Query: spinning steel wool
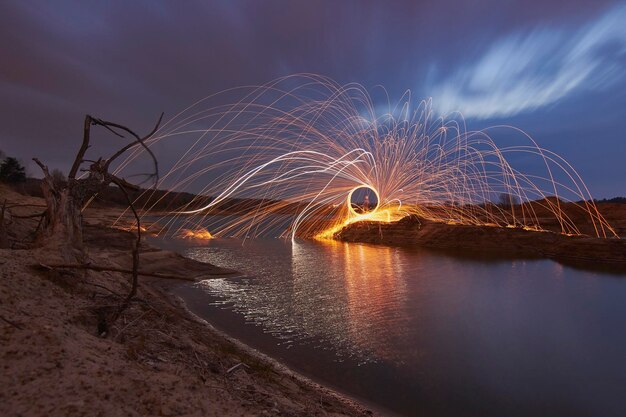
point(299, 155)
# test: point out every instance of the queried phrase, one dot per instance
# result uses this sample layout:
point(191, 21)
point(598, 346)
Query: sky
point(555, 69)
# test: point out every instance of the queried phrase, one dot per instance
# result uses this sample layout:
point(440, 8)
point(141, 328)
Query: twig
point(111, 269)
point(104, 288)
point(235, 367)
point(17, 326)
point(135, 283)
point(250, 390)
point(139, 141)
point(26, 205)
point(29, 216)
point(41, 219)
point(83, 148)
point(43, 167)
point(201, 366)
point(130, 324)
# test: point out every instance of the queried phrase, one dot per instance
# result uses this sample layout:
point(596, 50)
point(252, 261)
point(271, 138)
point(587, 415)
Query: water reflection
point(433, 334)
point(351, 298)
point(369, 296)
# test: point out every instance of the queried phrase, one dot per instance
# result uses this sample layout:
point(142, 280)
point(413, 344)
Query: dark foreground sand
point(156, 360)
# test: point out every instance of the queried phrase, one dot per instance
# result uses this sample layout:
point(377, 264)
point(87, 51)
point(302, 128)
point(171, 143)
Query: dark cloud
point(127, 61)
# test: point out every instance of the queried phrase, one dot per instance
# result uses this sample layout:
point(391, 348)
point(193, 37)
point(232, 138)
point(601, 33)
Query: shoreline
point(368, 407)
point(167, 289)
point(156, 359)
point(576, 251)
point(275, 380)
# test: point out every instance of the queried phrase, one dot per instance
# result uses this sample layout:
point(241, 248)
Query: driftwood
point(29, 216)
point(50, 267)
point(65, 200)
point(237, 366)
point(62, 226)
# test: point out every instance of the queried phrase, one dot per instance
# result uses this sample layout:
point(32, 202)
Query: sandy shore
point(157, 359)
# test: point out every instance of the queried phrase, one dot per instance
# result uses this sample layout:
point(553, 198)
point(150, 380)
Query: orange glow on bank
point(200, 234)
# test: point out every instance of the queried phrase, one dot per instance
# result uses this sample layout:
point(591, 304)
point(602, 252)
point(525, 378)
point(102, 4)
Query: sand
point(157, 359)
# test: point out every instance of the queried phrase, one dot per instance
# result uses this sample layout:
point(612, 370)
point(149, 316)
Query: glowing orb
point(362, 200)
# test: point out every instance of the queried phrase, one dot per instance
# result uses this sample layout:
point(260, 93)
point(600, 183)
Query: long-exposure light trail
point(283, 159)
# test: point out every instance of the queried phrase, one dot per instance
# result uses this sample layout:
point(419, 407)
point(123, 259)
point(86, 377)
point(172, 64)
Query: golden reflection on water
point(436, 324)
point(371, 297)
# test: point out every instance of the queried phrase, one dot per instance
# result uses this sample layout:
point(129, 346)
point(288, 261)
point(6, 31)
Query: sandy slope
point(156, 360)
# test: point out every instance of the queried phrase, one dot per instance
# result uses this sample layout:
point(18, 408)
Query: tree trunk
point(63, 223)
point(62, 226)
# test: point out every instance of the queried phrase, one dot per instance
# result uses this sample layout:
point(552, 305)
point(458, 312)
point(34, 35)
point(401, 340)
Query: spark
point(200, 234)
point(285, 158)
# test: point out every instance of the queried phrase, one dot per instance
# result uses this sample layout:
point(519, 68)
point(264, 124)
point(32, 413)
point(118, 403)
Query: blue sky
point(552, 68)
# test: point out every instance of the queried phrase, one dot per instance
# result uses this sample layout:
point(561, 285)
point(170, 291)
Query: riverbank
point(586, 252)
point(58, 357)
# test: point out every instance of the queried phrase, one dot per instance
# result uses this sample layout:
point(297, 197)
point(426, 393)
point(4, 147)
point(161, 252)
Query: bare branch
point(47, 177)
point(135, 271)
point(139, 141)
point(83, 148)
point(110, 125)
point(43, 167)
point(111, 130)
point(122, 183)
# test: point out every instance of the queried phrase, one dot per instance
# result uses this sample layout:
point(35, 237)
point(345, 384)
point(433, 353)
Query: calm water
point(424, 333)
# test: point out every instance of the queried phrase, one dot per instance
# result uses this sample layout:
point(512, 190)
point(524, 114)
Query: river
point(424, 333)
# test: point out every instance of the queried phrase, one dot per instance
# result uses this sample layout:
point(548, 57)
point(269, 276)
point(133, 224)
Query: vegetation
point(616, 200)
point(11, 171)
point(507, 200)
point(58, 177)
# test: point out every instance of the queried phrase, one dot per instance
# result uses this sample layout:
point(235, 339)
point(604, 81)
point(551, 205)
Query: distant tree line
point(12, 171)
point(507, 200)
point(617, 200)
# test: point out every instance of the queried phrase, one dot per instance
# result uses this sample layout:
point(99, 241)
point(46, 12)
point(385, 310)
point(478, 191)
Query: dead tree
point(62, 226)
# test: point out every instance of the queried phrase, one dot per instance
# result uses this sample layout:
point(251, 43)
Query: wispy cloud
point(528, 70)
